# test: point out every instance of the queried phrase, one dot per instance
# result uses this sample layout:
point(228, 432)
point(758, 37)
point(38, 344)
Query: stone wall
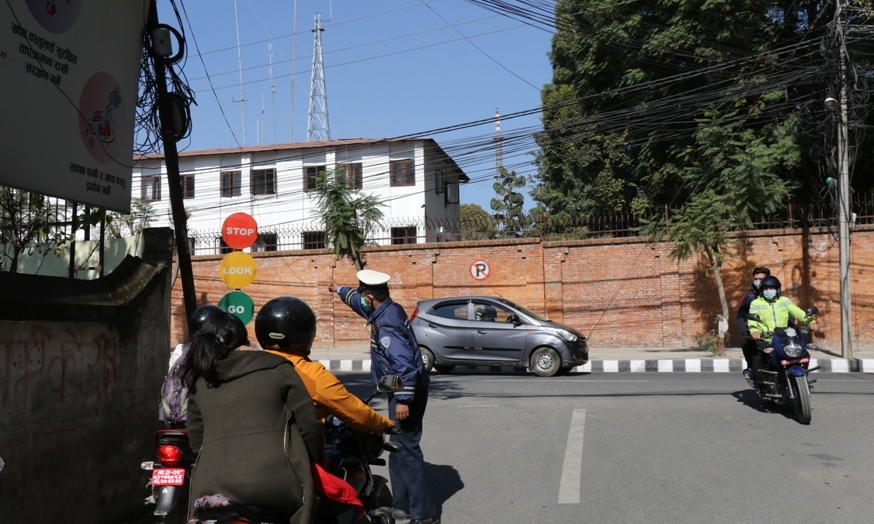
point(623, 292)
point(81, 364)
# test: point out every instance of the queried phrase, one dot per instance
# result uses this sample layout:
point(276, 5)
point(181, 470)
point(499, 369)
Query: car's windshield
point(526, 311)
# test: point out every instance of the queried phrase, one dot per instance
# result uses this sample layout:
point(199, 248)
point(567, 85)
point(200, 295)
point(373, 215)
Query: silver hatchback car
point(484, 330)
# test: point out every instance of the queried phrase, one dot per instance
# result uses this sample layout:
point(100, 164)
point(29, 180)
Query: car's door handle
point(481, 332)
point(432, 325)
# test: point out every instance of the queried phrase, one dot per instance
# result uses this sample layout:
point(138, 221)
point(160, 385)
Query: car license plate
point(168, 476)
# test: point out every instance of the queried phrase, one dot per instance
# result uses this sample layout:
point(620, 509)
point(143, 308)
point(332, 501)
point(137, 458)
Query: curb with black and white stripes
point(686, 365)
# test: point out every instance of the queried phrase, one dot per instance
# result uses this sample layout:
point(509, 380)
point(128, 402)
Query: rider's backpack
point(174, 396)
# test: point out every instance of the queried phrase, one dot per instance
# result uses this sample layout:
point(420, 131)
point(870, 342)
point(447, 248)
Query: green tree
point(350, 217)
point(119, 225)
point(696, 106)
point(26, 219)
point(476, 223)
point(509, 205)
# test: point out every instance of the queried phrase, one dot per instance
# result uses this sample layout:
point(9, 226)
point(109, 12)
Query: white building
point(414, 178)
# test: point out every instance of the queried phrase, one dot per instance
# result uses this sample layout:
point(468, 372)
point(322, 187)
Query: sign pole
point(171, 160)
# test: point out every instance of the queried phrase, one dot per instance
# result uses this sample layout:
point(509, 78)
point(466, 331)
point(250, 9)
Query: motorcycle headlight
point(567, 335)
point(793, 350)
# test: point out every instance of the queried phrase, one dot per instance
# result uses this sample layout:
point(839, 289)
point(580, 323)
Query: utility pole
point(844, 207)
point(242, 99)
point(171, 160)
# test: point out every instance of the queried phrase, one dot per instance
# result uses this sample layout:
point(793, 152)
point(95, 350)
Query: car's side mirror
point(389, 383)
point(514, 319)
point(753, 317)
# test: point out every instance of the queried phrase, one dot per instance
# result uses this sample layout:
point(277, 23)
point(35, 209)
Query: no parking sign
point(479, 269)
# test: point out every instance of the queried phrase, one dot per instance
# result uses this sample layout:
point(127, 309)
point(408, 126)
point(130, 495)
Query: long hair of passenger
point(218, 336)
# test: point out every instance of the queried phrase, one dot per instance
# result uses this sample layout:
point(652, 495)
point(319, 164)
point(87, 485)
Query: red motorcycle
point(171, 474)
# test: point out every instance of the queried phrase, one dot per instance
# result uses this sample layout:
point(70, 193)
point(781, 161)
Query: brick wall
point(623, 292)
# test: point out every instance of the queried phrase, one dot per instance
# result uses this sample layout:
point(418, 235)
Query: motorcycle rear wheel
point(802, 400)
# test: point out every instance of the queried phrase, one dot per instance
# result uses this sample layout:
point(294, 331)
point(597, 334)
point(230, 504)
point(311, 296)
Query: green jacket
point(257, 433)
point(775, 314)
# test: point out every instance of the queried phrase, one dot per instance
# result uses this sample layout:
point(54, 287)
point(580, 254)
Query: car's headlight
point(567, 335)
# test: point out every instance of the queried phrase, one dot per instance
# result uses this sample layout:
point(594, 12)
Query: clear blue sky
point(392, 68)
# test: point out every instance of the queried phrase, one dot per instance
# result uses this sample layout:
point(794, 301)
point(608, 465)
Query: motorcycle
point(351, 453)
point(783, 377)
point(171, 474)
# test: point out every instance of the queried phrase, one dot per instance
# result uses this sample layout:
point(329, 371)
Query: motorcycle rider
point(286, 326)
point(174, 396)
point(749, 345)
point(774, 311)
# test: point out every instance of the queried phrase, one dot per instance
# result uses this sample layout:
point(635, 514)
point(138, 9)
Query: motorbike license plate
point(168, 476)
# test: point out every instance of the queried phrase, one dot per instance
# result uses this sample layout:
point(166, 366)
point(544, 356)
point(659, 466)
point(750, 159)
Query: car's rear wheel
point(545, 362)
point(443, 369)
point(427, 358)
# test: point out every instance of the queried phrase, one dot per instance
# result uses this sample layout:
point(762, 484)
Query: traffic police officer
point(394, 351)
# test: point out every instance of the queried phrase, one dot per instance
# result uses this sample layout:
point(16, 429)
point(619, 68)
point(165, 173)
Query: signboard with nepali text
point(68, 93)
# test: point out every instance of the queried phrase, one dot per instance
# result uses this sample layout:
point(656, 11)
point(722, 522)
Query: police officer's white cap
point(369, 277)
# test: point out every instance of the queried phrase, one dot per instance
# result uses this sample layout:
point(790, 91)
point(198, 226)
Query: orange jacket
point(331, 396)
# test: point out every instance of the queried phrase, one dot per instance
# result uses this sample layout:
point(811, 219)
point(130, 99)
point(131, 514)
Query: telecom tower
point(317, 118)
point(499, 144)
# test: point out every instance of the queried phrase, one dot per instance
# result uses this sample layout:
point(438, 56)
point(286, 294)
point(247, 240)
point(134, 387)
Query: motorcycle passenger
point(749, 345)
point(251, 418)
point(774, 311)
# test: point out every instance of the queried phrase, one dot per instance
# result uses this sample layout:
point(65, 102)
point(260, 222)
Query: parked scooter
point(171, 474)
point(784, 373)
point(351, 453)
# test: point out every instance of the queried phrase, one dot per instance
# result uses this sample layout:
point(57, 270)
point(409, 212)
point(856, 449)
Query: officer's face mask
point(365, 305)
point(757, 283)
point(769, 294)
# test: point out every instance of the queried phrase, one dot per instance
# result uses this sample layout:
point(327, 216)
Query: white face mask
point(757, 283)
point(769, 294)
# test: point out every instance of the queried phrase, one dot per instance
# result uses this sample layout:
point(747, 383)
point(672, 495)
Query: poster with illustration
point(69, 91)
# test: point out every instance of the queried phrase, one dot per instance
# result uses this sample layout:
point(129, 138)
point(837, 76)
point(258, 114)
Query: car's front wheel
point(545, 362)
point(427, 358)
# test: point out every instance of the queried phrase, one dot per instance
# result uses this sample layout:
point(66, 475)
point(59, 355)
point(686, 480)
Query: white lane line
point(569, 490)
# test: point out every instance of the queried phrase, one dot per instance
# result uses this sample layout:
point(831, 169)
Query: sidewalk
point(634, 360)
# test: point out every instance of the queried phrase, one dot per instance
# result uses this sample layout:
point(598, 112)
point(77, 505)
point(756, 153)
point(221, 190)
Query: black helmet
point(286, 323)
point(195, 322)
point(771, 281)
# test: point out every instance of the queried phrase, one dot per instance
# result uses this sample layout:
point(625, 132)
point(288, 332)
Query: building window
point(152, 187)
point(232, 182)
point(188, 186)
point(438, 181)
point(403, 172)
point(352, 172)
point(263, 181)
point(221, 247)
point(314, 240)
point(403, 235)
point(312, 177)
point(451, 193)
point(265, 242)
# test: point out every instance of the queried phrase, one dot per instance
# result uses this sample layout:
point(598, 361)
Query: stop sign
point(239, 230)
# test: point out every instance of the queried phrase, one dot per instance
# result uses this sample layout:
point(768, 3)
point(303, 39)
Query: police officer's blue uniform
point(394, 350)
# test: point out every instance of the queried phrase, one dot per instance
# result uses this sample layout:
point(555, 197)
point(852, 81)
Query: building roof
point(296, 146)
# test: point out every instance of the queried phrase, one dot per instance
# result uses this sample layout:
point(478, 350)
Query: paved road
point(653, 448)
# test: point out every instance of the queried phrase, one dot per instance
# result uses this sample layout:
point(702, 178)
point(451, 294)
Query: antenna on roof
point(318, 128)
point(499, 143)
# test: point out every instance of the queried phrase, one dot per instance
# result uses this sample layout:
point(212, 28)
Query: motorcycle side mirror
point(812, 311)
point(389, 383)
point(753, 317)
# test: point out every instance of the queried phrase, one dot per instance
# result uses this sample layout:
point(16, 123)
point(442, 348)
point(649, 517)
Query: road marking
point(569, 490)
